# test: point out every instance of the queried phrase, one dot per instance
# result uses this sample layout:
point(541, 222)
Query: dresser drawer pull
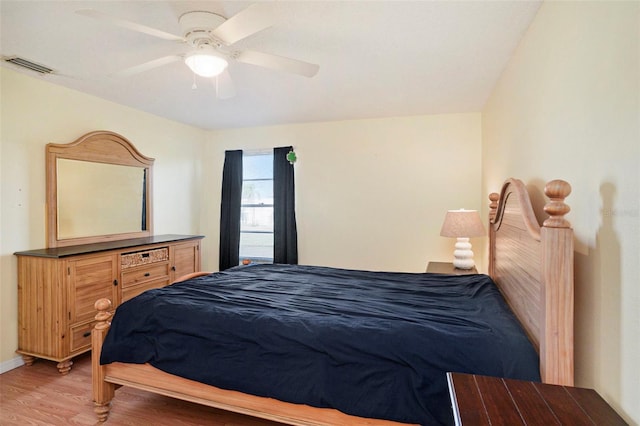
point(147, 274)
point(87, 334)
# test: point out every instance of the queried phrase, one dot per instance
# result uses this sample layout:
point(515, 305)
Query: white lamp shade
point(205, 64)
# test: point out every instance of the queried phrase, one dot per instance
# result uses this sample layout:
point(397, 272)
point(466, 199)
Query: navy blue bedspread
point(371, 344)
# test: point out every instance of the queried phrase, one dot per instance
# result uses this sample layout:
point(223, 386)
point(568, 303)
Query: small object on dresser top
point(448, 268)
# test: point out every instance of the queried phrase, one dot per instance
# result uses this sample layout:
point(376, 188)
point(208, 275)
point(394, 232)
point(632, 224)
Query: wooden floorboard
point(39, 395)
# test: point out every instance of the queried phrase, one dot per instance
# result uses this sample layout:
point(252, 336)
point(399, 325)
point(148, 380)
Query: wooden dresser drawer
point(146, 257)
point(144, 274)
point(81, 336)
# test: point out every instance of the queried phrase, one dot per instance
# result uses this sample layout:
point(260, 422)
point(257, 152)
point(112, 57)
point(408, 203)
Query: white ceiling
point(377, 58)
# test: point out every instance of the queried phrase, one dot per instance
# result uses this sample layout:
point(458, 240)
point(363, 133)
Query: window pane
point(256, 219)
point(256, 216)
point(256, 246)
point(257, 166)
point(257, 192)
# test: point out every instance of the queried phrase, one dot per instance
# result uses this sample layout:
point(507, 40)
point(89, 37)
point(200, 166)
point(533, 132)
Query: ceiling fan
point(209, 38)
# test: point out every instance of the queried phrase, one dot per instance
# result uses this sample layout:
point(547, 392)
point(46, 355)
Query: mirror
point(86, 190)
point(98, 189)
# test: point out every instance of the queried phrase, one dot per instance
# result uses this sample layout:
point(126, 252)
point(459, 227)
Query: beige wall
point(567, 107)
point(34, 113)
point(370, 194)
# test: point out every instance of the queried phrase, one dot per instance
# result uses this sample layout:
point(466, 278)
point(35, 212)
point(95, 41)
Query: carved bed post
point(556, 348)
point(103, 392)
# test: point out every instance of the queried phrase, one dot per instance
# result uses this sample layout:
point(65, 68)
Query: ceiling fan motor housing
point(197, 27)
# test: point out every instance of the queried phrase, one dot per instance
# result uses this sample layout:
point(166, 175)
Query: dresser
point(57, 288)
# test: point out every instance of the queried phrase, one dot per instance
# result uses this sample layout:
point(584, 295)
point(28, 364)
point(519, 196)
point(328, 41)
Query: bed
point(532, 266)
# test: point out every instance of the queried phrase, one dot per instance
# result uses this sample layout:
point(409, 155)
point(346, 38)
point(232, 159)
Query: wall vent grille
point(23, 63)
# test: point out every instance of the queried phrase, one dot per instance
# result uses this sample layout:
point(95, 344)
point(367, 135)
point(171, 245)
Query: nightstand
point(482, 400)
point(447, 268)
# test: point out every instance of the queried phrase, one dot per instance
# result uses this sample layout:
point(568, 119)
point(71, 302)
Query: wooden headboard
point(533, 267)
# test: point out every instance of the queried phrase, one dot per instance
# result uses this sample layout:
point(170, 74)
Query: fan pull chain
point(194, 86)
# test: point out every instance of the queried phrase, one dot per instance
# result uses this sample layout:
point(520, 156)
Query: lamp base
point(463, 255)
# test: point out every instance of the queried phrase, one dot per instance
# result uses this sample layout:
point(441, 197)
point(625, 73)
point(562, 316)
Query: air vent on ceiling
point(23, 63)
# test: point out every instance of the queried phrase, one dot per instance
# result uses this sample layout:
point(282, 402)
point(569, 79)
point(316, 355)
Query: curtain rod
point(260, 151)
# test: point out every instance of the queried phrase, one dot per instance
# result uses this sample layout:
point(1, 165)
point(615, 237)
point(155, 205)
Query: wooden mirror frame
point(98, 147)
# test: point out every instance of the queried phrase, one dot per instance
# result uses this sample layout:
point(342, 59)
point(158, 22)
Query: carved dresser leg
point(28, 359)
point(65, 366)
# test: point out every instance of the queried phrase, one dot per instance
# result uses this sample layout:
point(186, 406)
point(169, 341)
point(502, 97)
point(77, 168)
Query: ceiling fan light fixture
point(205, 64)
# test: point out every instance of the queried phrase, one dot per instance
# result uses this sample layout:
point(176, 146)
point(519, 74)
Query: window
point(256, 213)
point(257, 209)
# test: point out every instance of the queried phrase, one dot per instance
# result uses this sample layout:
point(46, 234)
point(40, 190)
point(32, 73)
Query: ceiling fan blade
point(148, 66)
point(225, 88)
point(128, 24)
point(254, 18)
point(279, 63)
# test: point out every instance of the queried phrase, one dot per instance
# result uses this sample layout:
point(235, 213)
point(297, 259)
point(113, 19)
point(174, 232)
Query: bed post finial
point(493, 205)
point(556, 342)
point(102, 306)
point(557, 190)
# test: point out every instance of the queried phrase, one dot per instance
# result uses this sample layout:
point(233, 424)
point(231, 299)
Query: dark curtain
point(230, 210)
point(144, 200)
point(285, 234)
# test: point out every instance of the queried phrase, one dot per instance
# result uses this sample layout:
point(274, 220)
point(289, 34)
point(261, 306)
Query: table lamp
point(462, 224)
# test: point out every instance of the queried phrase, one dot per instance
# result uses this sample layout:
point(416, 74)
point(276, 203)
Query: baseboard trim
point(11, 364)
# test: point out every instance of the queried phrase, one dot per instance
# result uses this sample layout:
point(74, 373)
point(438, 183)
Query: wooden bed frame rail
point(531, 264)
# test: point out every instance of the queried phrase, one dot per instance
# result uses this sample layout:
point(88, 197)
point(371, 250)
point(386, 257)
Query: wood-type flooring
point(39, 395)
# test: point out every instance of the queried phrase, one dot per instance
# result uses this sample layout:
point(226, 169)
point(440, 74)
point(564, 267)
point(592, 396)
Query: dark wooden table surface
point(447, 268)
point(482, 400)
